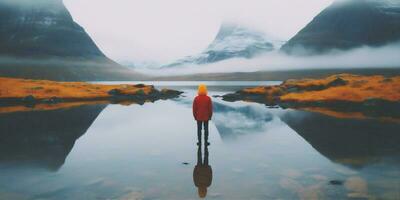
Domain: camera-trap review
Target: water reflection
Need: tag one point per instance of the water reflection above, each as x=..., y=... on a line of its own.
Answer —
x=352, y=142
x=43, y=138
x=232, y=122
x=202, y=173
x=136, y=152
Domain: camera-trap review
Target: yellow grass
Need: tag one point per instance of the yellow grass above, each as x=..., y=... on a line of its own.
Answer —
x=42, y=89
x=347, y=115
x=46, y=107
x=358, y=89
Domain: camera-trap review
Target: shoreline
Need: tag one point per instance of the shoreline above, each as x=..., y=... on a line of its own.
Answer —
x=14, y=92
x=370, y=95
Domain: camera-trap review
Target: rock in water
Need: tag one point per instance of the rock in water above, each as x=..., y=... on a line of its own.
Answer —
x=336, y=182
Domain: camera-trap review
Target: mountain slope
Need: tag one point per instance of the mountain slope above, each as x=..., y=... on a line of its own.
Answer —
x=232, y=41
x=39, y=39
x=348, y=24
x=44, y=139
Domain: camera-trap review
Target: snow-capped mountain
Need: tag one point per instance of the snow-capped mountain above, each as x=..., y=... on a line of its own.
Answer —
x=232, y=41
x=347, y=24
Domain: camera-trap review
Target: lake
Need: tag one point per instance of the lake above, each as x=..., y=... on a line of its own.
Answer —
x=149, y=152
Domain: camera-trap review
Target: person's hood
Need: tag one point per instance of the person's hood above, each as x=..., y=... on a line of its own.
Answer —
x=202, y=89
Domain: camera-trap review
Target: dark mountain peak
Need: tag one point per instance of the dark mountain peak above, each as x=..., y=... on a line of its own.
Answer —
x=42, y=28
x=347, y=24
x=39, y=39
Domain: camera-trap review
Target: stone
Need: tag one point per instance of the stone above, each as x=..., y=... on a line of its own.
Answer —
x=171, y=93
x=336, y=182
x=337, y=82
x=115, y=92
x=29, y=98
x=140, y=85
x=293, y=90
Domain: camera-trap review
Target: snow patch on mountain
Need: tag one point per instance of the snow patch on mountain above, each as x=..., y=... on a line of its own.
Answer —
x=233, y=41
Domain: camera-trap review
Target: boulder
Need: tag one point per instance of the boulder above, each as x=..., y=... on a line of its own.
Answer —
x=29, y=99
x=115, y=92
x=337, y=82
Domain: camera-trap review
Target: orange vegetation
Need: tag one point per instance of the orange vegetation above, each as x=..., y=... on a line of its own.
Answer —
x=46, y=107
x=353, y=88
x=332, y=96
x=348, y=115
x=357, y=89
x=42, y=89
x=268, y=90
x=336, y=114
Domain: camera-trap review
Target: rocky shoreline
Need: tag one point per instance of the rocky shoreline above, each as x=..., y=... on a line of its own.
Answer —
x=29, y=93
x=370, y=95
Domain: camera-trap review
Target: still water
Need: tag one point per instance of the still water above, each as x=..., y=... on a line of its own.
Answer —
x=150, y=152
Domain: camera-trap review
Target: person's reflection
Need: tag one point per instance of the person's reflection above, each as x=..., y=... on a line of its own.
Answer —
x=202, y=173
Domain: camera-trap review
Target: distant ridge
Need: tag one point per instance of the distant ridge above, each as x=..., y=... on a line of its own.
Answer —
x=348, y=24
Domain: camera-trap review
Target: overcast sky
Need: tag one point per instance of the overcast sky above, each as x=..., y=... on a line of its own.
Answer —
x=165, y=30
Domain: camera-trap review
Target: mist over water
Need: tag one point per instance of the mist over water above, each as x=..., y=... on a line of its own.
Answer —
x=363, y=57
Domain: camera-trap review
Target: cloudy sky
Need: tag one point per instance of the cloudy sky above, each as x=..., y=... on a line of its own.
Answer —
x=162, y=31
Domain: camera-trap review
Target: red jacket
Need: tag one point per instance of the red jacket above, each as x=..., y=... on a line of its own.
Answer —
x=202, y=108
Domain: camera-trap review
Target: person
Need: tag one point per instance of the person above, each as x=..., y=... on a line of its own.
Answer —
x=202, y=173
x=202, y=112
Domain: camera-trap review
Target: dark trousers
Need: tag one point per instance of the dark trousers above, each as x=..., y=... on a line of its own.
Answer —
x=200, y=126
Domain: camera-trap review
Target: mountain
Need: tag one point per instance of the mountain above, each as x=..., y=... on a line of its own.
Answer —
x=252, y=121
x=351, y=142
x=43, y=139
x=39, y=39
x=232, y=41
x=347, y=24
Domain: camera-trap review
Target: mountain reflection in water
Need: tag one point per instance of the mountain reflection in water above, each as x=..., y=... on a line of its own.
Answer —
x=137, y=152
x=43, y=138
x=352, y=142
x=231, y=122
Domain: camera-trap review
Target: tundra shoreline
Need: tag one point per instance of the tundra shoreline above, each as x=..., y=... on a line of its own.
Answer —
x=370, y=95
x=31, y=92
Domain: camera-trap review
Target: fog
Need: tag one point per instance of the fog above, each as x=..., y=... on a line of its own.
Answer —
x=364, y=57
x=163, y=31
x=160, y=32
